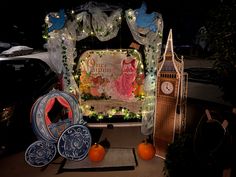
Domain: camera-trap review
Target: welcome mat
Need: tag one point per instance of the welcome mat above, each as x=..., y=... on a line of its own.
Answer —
x=115, y=159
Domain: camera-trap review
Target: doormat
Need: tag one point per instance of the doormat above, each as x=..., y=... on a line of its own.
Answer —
x=116, y=159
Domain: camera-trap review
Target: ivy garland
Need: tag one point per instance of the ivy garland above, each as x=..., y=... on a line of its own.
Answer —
x=127, y=115
x=65, y=64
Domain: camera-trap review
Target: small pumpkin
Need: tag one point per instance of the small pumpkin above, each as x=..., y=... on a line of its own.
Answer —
x=96, y=152
x=146, y=150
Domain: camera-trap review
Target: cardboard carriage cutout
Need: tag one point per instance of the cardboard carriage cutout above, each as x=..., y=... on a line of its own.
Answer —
x=59, y=126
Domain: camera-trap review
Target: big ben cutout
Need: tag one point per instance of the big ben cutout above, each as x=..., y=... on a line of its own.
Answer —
x=171, y=94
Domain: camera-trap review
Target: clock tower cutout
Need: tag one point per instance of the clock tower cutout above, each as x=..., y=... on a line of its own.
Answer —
x=171, y=97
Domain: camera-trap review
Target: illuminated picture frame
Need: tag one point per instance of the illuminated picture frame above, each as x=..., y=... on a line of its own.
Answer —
x=111, y=83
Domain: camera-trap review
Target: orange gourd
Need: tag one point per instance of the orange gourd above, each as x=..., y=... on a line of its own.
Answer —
x=96, y=153
x=146, y=150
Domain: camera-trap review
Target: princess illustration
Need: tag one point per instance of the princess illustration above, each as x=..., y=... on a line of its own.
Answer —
x=124, y=83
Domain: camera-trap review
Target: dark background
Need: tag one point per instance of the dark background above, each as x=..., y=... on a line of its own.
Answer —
x=22, y=20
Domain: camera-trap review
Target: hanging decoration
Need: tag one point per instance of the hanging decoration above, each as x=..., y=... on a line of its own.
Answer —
x=144, y=20
x=105, y=27
x=147, y=30
x=57, y=21
x=83, y=25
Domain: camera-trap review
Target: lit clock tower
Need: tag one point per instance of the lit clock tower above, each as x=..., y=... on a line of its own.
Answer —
x=170, y=111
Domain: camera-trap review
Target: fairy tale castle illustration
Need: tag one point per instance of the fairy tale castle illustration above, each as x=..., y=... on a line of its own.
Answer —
x=170, y=111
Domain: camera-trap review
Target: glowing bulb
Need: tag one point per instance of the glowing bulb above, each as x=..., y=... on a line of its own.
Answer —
x=47, y=19
x=100, y=116
x=127, y=115
x=45, y=36
x=122, y=110
x=113, y=111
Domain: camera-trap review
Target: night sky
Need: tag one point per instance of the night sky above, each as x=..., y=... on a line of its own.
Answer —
x=185, y=17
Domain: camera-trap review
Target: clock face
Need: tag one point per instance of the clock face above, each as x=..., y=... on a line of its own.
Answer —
x=167, y=87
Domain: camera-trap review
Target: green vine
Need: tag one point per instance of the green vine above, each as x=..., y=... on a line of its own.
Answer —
x=124, y=112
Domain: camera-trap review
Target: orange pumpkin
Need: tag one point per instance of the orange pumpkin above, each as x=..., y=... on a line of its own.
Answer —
x=96, y=153
x=146, y=151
